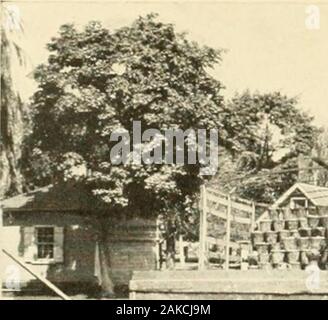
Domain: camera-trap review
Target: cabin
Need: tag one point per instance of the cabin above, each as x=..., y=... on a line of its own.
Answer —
x=292, y=234
x=52, y=230
x=302, y=195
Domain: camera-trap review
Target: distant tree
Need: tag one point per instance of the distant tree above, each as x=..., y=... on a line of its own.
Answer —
x=11, y=108
x=319, y=159
x=96, y=81
x=267, y=133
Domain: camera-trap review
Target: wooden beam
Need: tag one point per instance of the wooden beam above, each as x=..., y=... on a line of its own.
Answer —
x=223, y=195
x=234, y=204
x=223, y=215
x=42, y=279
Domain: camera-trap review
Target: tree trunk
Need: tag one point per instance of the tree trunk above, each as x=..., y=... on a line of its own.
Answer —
x=320, y=162
x=170, y=247
x=11, y=127
x=106, y=282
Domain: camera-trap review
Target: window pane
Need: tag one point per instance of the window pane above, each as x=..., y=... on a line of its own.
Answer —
x=45, y=234
x=45, y=251
x=45, y=242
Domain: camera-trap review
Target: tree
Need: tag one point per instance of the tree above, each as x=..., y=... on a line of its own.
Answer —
x=97, y=81
x=11, y=109
x=267, y=133
x=319, y=159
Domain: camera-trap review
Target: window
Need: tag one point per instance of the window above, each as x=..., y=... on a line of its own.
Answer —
x=45, y=241
x=296, y=203
x=43, y=244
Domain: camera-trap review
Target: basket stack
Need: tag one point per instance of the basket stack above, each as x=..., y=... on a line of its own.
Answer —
x=289, y=238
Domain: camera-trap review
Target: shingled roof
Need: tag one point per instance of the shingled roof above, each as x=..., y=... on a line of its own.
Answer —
x=51, y=197
x=318, y=195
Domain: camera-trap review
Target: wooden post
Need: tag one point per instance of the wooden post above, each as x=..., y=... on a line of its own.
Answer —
x=228, y=234
x=42, y=279
x=158, y=247
x=181, y=252
x=202, y=230
x=157, y=255
x=253, y=217
x=1, y=253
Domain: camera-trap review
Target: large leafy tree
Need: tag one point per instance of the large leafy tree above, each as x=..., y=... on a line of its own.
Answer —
x=97, y=81
x=268, y=133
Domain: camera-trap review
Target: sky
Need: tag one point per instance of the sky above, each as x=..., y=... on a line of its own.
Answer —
x=269, y=44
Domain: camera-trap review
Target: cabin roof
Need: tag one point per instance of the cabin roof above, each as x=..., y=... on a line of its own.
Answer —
x=318, y=195
x=51, y=197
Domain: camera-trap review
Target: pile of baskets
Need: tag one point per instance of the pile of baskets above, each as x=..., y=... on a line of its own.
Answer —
x=291, y=237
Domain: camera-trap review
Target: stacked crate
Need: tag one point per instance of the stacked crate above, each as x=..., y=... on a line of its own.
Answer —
x=289, y=238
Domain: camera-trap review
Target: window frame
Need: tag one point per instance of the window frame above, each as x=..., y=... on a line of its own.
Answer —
x=37, y=243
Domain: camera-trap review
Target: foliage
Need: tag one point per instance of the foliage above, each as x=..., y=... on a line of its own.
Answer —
x=97, y=81
x=267, y=133
x=320, y=158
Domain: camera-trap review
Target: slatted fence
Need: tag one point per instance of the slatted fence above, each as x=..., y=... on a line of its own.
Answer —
x=236, y=218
